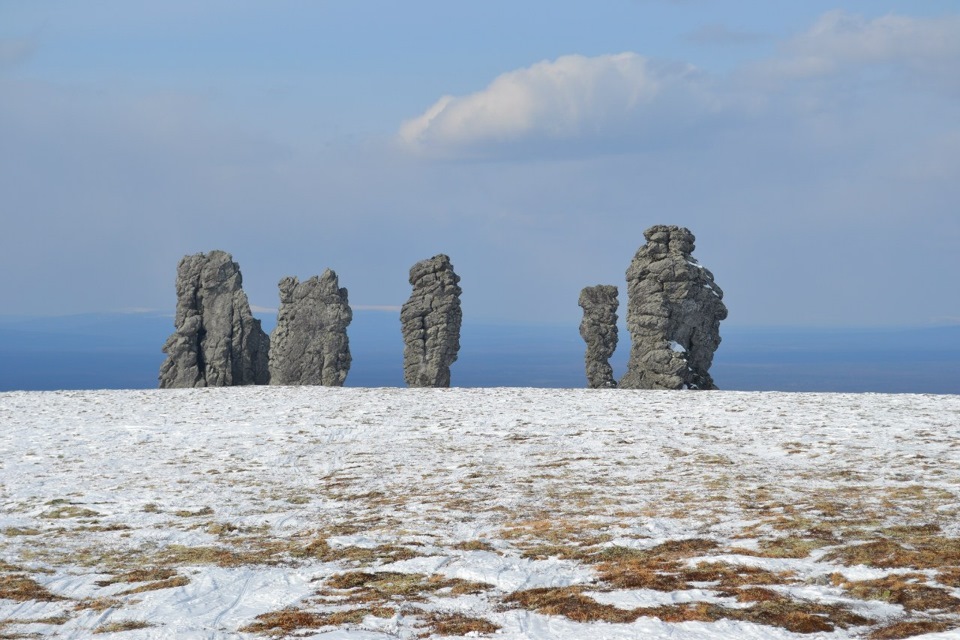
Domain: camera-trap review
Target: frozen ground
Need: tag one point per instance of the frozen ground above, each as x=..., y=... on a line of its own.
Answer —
x=366, y=514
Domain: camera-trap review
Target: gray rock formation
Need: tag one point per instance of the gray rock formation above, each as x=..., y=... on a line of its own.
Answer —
x=599, y=330
x=216, y=341
x=674, y=311
x=309, y=346
x=431, y=323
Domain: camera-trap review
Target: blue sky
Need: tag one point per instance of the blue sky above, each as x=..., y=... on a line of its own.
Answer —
x=813, y=148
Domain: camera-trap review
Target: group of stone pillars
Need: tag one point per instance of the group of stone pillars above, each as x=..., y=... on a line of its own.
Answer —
x=217, y=342
x=674, y=311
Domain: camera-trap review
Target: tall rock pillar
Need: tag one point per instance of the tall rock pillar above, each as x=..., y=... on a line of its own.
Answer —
x=216, y=341
x=309, y=345
x=430, y=322
x=599, y=330
x=674, y=311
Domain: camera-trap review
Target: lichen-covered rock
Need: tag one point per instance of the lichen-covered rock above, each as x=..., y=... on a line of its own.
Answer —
x=309, y=345
x=216, y=341
x=599, y=330
x=430, y=322
x=674, y=311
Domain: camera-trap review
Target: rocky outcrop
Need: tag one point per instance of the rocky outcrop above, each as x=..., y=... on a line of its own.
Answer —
x=309, y=345
x=674, y=311
x=431, y=323
x=599, y=330
x=216, y=342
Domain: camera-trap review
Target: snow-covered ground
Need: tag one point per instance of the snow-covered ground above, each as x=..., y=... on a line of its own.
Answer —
x=364, y=514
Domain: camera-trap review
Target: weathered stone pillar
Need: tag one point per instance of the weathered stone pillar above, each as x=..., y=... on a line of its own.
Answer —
x=309, y=345
x=674, y=311
x=599, y=330
x=216, y=342
x=430, y=322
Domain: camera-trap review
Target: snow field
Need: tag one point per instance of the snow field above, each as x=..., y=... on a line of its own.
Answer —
x=511, y=513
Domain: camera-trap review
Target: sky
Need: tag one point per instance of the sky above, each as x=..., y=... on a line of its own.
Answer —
x=813, y=148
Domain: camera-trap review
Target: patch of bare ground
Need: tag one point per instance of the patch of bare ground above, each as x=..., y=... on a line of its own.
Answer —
x=69, y=511
x=570, y=603
x=791, y=546
x=474, y=545
x=665, y=568
x=907, y=590
x=456, y=624
x=909, y=629
x=768, y=608
x=122, y=625
x=21, y=531
x=319, y=549
x=269, y=553
x=170, y=583
x=98, y=604
x=549, y=530
x=147, y=574
x=21, y=588
x=915, y=552
x=385, y=587
x=156, y=578
x=287, y=621
x=949, y=576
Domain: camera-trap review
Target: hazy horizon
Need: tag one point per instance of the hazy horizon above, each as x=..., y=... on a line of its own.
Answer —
x=124, y=351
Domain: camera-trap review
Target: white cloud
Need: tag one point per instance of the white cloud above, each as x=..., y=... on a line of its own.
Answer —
x=840, y=40
x=581, y=106
x=568, y=101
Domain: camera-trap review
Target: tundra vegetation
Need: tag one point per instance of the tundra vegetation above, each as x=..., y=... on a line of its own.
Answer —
x=281, y=511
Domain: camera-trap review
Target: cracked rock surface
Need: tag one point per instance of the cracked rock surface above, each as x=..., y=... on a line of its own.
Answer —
x=309, y=345
x=674, y=311
x=430, y=321
x=599, y=330
x=216, y=341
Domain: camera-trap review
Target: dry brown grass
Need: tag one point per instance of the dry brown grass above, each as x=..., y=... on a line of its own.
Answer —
x=98, y=604
x=728, y=576
x=155, y=577
x=949, y=576
x=664, y=568
x=456, y=624
x=385, y=587
x=791, y=546
x=69, y=511
x=908, y=629
x=170, y=583
x=556, y=531
x=570, y=603
x=186, y=513
x=928, y=552
x=21, y=588
x=793, y=616
x=140, y=575
x=286, y=621
x=769, y=608
x=474, y=545
x=21, y=531
x=122, y=625
x=907, y=590
x=176, y=554
x=319, y=549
